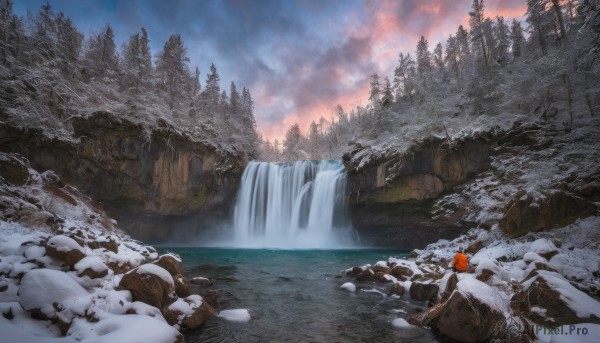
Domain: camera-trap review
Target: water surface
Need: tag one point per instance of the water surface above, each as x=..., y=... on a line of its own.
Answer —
x=295, y=296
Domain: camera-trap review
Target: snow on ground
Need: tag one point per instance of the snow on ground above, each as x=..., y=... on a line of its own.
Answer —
x=501, y=267
x=44, y=213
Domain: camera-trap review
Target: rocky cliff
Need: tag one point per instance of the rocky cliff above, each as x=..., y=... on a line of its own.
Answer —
x=148, y=178
x=529, y=177
x=391, y=197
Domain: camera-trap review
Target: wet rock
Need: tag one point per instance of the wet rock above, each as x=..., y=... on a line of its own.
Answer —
x=381, y=269
x=150, y=284
x=540, y=301
x=201, y=281
x=366, y=275
x=190, y=312
x=182, y=286
x=401, y=272
x=463, y=317
x=381, y=277
x=397, y=289
x=423, y=291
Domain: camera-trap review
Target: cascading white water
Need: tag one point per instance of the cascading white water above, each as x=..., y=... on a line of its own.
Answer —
x=297, y=204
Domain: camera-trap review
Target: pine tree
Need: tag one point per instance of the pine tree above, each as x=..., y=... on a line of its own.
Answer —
x=11, y=33
x=145, y=69
x=540, y=22
x=101, y=55
x=212, y=90
x=489, y=33
x=559, y=19
x=131, y=62
x=503, y=40
x=44, y=35
x=438, y=59
x=452, y=56
x=171, y=66
x=404, y=80
x=517, y=38
x=388, y=96
x=234, y=101
x=292, y=143
x=224, y=102
x=197, y=86
x=476, y=19
x=68, y=43
x=375, y=91
x=423, y=57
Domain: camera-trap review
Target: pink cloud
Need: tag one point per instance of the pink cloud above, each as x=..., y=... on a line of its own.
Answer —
x=370, y=43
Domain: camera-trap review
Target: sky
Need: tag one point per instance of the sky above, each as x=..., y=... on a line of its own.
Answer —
x=299, y=58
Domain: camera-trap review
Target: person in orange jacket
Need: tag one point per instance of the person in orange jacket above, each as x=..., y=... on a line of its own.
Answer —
x=461, y=262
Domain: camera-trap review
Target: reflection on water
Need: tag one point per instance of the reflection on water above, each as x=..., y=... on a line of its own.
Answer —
x=295, y=296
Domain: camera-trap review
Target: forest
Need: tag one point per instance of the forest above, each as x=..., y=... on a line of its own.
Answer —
x=494, y=67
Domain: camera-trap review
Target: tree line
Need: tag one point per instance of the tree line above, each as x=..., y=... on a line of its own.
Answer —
x=488, y=68
x=50, y=72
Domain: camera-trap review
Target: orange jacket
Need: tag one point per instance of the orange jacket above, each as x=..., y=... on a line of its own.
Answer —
x=460, y=262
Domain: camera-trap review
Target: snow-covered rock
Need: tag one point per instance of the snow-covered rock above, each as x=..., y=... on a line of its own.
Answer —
x=149, y=283
x=41, y=289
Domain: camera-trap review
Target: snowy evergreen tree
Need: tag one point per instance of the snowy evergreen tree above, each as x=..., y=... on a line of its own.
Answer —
x=69, y=42
x=234, y=101
x=388, y=96
x=452, y=56
x=212, y=90
x=404, y=77
x=503, y=40
x=517, y=38
x=438, y=57
x=476, y=19
x=101, y=55
x=291, y=144
x=171, y=67
x=375, y=91
x=423, y=57
x=11, y=33
x=540, y=22
x=197, y=86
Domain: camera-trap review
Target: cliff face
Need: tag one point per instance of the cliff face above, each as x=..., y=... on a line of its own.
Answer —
x=147, y=178
x=527, y=178
x=391, y=197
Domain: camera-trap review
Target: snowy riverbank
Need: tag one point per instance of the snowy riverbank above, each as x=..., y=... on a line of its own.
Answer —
x=543, y=285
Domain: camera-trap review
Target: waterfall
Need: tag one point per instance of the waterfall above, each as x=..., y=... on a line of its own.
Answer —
x=298, y=204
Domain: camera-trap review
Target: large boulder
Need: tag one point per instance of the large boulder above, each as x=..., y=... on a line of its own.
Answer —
x=548, y=299
x=45, y=292
x=189, y=312
x=423, y=290
x=171, y=263
x=525, y=213
x=401, y=272
x=472, y=313
x=65, y=249
x=150, y=284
